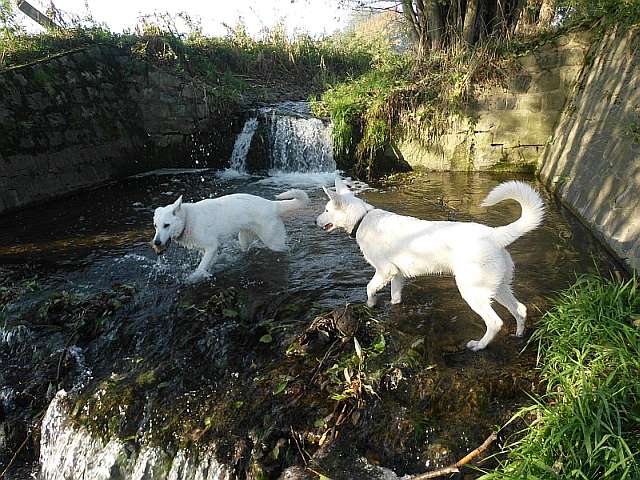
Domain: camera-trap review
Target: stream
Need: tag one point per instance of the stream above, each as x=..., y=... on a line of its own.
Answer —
x=243, y=375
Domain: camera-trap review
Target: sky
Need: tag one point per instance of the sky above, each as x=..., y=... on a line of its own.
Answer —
x=316, y=17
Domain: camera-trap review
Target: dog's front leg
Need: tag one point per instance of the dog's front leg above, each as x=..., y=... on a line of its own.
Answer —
x=375, y=284
x=397, y=283
x=203, y=267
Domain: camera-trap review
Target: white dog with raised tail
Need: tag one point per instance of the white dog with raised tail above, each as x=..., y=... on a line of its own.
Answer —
x=401, y=247
x=204, y=224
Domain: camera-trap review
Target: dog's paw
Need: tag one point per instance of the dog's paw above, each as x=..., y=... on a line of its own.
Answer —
x=371, y=302
x=520, y=333
x=396, y=301
x=196, y=277
x=474, y=345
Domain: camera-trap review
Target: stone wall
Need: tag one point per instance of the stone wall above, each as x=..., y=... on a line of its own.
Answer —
x=593, y=162
x=507, y=128
x=92, y=115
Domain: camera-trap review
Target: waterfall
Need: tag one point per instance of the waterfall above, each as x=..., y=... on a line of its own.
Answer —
x=293, y=141
x=242, y=145
x=300, y=144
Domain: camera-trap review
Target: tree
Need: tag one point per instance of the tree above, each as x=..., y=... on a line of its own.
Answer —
x=9, y=27
x=436, y=24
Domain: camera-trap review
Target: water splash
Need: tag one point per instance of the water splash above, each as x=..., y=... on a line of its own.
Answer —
x=242, y=145
x=69, y=452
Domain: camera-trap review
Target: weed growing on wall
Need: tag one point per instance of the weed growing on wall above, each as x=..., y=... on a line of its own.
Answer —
x=402, y=97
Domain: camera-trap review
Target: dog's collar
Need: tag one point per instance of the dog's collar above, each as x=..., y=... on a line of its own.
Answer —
x=354, y=230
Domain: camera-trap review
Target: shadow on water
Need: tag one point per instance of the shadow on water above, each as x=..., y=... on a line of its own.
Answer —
x=239, y=360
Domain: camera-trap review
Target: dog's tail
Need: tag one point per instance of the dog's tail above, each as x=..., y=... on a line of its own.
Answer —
x=532, y=210
x=291, y=200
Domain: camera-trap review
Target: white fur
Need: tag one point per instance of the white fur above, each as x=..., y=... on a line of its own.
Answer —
x=401, y=247
x=204, y=224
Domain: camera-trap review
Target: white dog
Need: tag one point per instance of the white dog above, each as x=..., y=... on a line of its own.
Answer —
x=401, y=247
x=202, y=225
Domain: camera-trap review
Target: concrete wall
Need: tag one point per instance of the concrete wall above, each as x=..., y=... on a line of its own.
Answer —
x=507, y=128
x=593, y=162
x=93, y=115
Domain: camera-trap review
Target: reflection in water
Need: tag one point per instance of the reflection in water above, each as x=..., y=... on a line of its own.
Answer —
x=96, y=239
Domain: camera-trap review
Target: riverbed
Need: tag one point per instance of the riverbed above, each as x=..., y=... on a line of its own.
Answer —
x=245, y=360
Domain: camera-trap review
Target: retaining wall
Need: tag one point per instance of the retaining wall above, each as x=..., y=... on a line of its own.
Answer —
x=507, y=128
x=92, y=115
x=593, y=161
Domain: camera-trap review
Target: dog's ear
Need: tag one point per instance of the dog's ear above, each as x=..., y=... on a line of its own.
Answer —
x=177, y=204
x=336, y=198
x=341, y=187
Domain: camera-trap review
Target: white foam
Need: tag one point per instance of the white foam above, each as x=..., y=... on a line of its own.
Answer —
x=230, y=174
x=299, y=179
x=171, y=171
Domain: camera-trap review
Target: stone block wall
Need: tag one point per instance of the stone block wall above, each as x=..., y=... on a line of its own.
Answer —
x=63, y=126
x=88, y=116
x=593, y=161
x=507, y=128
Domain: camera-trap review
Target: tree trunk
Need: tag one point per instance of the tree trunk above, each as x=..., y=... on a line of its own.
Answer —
x=547, y=12
x=516, y=14
x=436, y=25
x=501, y=17
x=469, y=28
x=415, y=16
x=410, y=17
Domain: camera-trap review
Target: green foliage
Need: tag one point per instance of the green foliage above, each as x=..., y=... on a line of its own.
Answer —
x=586, y=424
x=403, y=97
x=9, y=27
x=626, y=12
x=235, y=60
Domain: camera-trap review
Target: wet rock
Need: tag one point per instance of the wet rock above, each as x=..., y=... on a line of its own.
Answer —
x=295, y=473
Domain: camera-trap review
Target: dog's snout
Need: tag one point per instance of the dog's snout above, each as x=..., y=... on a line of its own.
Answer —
x=157, y=243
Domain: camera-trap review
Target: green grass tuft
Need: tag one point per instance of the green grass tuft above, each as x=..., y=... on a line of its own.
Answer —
x=585, y=426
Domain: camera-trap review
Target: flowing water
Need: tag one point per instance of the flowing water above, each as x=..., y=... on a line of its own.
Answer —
x=242, y=145
x=158, y=363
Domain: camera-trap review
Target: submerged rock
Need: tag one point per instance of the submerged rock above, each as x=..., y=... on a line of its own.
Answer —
x=69, y=451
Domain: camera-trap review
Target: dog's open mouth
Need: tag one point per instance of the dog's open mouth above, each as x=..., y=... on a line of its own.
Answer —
x=327, y=227
x=159, y=249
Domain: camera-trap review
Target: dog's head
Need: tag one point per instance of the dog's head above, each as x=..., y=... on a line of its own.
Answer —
x=169, y=223
x=343, y=210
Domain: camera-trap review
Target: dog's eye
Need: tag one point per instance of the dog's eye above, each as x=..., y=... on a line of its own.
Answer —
x=166, y=225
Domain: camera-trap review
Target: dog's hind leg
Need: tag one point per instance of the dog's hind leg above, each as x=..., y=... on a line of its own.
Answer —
x=273, y=235
x=505, y=297
x=246, y=238
x=376, y=284
x=397, y=283
x=480, y=302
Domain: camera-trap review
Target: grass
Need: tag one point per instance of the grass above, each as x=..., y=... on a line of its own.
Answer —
x=585, y=425
x=273, y=58
x=402, y=97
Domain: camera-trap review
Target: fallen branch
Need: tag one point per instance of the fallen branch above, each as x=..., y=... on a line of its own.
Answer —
x=455, y=468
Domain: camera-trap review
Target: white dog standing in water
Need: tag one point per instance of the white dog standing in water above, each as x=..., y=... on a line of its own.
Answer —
x=202, y=225
x=401, y=247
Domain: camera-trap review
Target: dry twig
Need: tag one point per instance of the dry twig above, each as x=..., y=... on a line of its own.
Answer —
x=455, y=468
